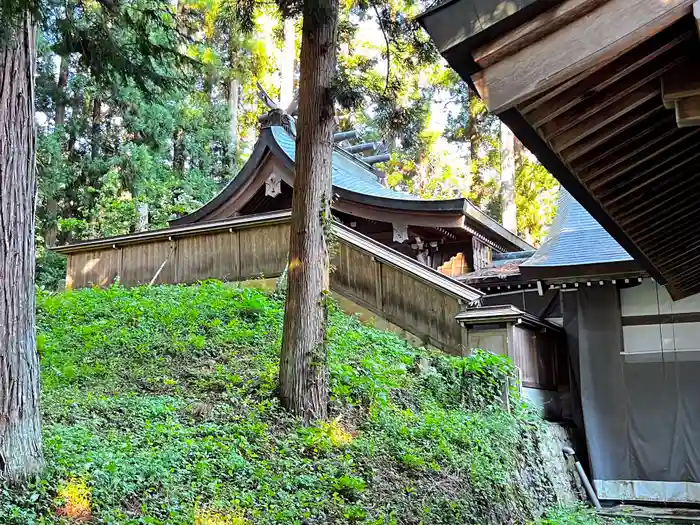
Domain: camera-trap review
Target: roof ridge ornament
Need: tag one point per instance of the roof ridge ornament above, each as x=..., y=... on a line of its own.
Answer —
x=278, y=116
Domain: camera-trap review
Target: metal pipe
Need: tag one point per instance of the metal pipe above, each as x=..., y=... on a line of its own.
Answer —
x=374, y=159
x=345, y=135
x=568, y=451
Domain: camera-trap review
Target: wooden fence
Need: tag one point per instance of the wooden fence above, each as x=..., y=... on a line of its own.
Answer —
x=396, y=288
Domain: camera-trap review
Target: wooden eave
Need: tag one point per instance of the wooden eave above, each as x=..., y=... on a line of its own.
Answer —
x=503, y=314
x=606, y=93
x=387, y=255
x=267, y=157
x=574, y=273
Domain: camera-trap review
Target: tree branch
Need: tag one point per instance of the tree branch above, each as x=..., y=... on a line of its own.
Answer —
x=386, y=39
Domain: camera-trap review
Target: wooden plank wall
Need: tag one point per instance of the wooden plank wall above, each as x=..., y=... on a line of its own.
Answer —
x=229, y=256
x=396, y=296
x=535, y=355
x=399, y=298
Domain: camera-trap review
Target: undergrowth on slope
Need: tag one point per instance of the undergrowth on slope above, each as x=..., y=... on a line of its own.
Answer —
x=585, y=515
x=159, y=407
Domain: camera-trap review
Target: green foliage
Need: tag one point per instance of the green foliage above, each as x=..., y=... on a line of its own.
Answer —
x=582, y=515
x=160, y=406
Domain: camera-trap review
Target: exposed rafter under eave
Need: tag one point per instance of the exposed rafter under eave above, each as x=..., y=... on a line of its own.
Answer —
x=605, y=94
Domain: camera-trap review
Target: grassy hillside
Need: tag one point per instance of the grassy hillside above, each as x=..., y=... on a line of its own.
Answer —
x=159, y=407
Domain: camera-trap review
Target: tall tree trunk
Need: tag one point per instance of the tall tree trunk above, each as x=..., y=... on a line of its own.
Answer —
x=20, y=422
x=233, y=122
x=60, y=117
x=96, y=127
x=142, y=223
x=179, y=150
x=50, y=229
x=303, y=360
x=509, y=210
x=287, y=64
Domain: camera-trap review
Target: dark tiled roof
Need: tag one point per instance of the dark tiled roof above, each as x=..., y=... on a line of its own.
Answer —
x=349, y=172
x=576, y=239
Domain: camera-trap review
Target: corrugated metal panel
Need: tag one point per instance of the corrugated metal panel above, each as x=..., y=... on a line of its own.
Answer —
x=213, y=256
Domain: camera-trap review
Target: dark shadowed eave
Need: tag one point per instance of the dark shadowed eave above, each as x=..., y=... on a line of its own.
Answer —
x=602, y=92
x=503, y=314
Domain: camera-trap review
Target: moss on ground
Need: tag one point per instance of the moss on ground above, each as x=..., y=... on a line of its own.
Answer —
x=159, y=407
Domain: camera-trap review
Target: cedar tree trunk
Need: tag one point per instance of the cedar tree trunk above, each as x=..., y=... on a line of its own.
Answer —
x=20, y=423
x=303, y=366
x=51, y=230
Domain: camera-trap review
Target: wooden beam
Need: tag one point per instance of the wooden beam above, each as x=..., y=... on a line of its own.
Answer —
x=617, y=69
x=625, y=141
x=681, y=81
x=636, y=154
x=589, y=42
x=667, y=194
x=606, y=116
x=614, y=92
x=665, y=263
x=630, y=120
x=688, y=111
x=655, y=222
x=537, y=28
x=669, y=164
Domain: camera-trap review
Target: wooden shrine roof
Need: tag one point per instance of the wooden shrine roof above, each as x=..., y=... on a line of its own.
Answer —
x=357, y=188
x=606, y=93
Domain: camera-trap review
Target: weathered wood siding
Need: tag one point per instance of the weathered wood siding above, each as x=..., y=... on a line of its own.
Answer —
x=204, y=256
x=141, y=263
x=355, y=273
x=263, y=250
x=393, y=294
x=99, y=268
x=535, y=355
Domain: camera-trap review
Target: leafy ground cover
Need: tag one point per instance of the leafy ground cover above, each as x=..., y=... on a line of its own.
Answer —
x=583, y=515
x=159, y=407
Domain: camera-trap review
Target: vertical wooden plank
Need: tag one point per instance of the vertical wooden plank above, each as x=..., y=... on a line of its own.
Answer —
x=142, y=261
x=236, y=253
x=378, y=283
x=120, y=264
x=70, y=271
x=211, y=256
x=264, y=250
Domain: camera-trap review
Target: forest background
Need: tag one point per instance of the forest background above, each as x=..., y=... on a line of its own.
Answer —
x=130, y=136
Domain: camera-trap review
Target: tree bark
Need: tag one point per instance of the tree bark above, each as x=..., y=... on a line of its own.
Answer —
x=20, y=423
x=60, y=117
x=51, y=230
x=179, y=151
x=303, y=359
x=509, y=210
x=96, y=127
x=287, y=64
